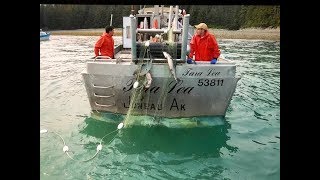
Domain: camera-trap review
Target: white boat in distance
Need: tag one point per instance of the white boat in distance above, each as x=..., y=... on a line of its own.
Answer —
x=44, y=36
x=151, y=77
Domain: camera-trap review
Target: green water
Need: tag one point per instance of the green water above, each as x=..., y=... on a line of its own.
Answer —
x=243, y=145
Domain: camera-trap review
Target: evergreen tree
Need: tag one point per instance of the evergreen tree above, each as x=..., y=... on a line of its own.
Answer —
x=64, y=16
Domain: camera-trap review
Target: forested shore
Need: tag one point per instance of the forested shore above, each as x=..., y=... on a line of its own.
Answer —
x=228, y=17
x=248, y=33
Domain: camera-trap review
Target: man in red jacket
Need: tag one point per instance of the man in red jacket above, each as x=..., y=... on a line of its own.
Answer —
x=203, y=46
x=105, y=45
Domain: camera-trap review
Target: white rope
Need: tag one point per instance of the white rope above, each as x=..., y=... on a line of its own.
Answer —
x=99, y=147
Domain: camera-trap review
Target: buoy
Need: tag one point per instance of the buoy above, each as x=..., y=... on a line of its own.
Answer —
x=65, y=148
x=120, y=125
x=149, y=80
x=147, y=43
x=99, y=147
x=155, y=24
x=145, y=23
x=136, y=84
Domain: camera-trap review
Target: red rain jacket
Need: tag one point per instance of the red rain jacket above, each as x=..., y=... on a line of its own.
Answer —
x=105, y=45
x=205, y=48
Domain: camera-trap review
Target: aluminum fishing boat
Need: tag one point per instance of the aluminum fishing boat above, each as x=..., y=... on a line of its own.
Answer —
x=149, y=74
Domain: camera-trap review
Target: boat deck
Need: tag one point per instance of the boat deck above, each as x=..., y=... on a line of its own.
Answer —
x=124, y=54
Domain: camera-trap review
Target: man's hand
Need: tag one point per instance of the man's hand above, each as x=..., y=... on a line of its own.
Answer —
x=213, y=61
x=190, y=61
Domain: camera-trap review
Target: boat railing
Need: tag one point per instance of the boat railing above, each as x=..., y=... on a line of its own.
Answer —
x=156, y=60
x=159, y=61
x=118, y=48
x=176, y=31
x=180, y=26
x=97, y=58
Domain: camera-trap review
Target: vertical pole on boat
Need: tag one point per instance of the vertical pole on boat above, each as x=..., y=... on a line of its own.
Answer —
x=133, y=9
x=133, y=37
x=175, y=22
x=185, y=36
x=156, y=10
x=170, y=14
x=111, y=20
x=170, y=30
x=162, y=10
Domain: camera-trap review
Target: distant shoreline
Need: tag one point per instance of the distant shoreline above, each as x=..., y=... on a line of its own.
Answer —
x=250, y=33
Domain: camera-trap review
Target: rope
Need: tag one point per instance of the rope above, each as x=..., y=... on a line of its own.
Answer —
x=99, y=147
x=141, y=79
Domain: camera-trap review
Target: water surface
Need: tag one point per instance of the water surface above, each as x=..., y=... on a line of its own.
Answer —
x=246, y=145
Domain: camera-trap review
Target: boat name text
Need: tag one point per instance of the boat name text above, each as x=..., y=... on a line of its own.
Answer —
x=191, y=73
x=173, y=86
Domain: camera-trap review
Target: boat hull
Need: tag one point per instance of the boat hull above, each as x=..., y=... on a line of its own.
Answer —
x=44, y=37
x=202, y=90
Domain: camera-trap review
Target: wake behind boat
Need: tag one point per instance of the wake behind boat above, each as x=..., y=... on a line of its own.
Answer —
x=151, y=77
